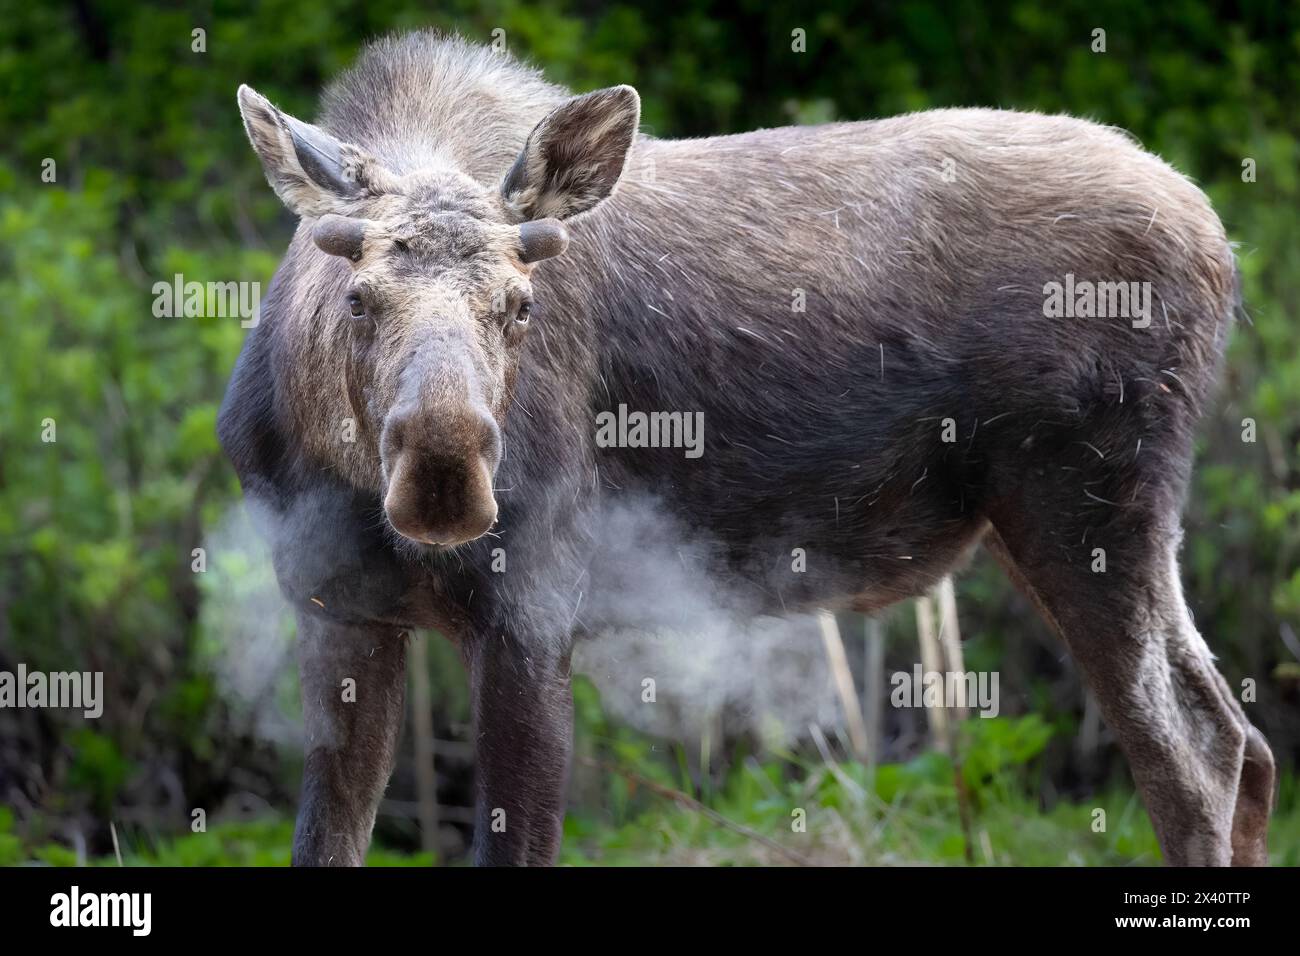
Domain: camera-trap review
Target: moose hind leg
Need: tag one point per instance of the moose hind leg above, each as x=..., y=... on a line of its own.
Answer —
x=1254, y=803
x=1152, y=674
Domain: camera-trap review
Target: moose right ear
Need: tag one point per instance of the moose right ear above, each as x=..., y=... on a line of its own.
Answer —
x=311, y=171
x=574, y=157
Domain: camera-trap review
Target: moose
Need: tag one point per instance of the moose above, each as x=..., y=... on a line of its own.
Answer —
x=485, y=263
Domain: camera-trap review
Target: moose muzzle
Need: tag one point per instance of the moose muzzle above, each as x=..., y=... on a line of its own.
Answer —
x=440, y=469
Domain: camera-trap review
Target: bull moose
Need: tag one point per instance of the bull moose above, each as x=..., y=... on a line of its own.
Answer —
x=857, y=315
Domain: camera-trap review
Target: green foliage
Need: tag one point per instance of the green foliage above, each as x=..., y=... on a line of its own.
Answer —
x=893, y=814
x=992, y=750
x=265, y=842
x=898, y=814
x=98, y=767
x=262, y=842
x=10, y=846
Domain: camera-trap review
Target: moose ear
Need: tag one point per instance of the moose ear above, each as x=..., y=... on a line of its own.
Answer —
x=311, y=171
x=574, y=156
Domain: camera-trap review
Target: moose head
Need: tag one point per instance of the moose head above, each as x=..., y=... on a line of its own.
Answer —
x=427, y=334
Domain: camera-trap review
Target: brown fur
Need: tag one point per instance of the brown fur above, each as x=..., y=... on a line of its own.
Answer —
x=922, y=245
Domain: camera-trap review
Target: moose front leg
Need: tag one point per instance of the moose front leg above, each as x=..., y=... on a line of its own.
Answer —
x=353, y=686
x=523, y=734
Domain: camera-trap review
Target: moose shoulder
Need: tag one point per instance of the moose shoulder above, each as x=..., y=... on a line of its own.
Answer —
x=853, y=339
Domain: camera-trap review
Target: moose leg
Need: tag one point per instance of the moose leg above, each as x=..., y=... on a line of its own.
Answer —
x=1254, y=803
x=523, y=733
x=1204, y=773
x=353, y=685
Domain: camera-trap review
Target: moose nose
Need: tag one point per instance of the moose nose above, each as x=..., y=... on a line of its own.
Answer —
x=440, y=477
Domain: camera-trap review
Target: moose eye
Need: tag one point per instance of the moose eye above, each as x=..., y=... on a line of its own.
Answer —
x=515, y=318
x=355, y=306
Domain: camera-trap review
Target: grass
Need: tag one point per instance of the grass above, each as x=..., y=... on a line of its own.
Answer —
x=838, y=815
x=262, y=842
x=633, y=806
x=779, y=812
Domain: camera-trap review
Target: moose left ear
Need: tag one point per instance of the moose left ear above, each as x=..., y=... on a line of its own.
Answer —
x=574, y=157
x=310, y=170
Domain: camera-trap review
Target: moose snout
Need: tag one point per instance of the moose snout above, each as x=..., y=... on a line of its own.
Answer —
x=440, y=475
